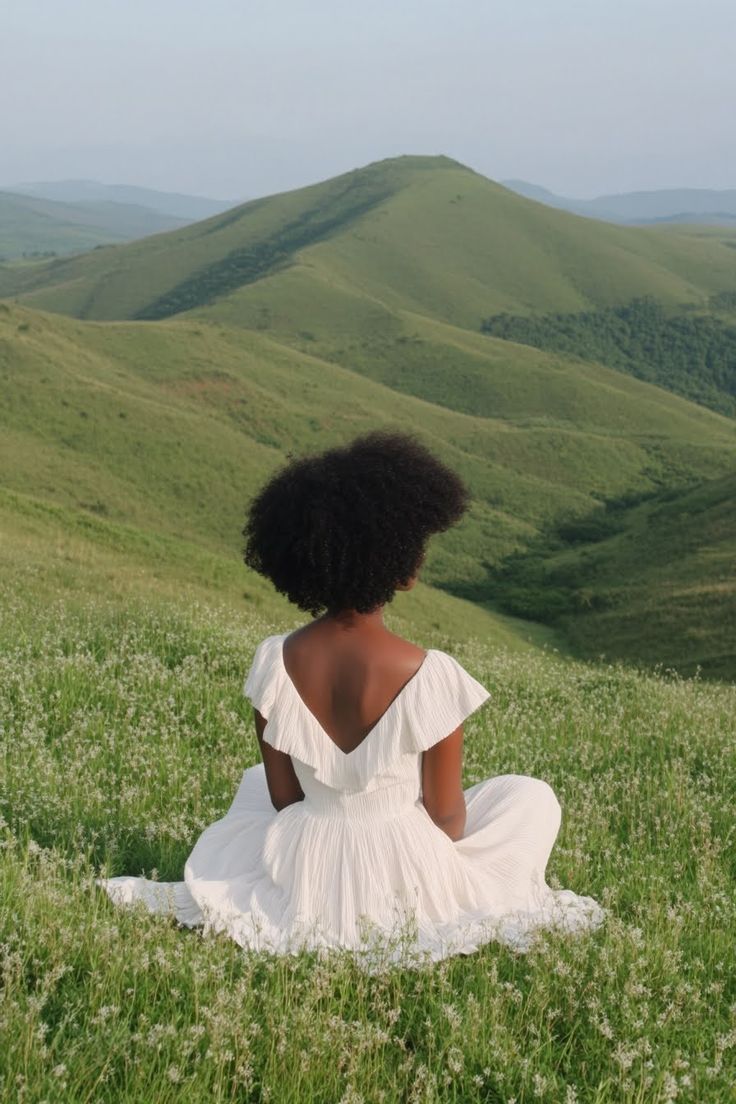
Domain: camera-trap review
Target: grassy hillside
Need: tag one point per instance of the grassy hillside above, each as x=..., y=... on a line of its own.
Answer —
x=665, y=584
x=356, y=268
x=33, y=225
x=365, y=270
x=631, y=581
x=159, y=415
x=160, y=432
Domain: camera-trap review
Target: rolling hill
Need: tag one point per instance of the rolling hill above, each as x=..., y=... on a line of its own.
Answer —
x=196, y=359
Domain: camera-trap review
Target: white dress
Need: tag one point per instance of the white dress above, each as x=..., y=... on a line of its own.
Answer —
x=359, y=863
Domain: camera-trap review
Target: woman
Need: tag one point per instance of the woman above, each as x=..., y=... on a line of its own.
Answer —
x=355, y=832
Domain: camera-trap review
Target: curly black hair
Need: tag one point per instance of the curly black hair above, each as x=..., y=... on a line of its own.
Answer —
x=342, y=529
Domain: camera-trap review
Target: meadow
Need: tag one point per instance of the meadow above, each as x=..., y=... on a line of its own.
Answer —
x=125, y=732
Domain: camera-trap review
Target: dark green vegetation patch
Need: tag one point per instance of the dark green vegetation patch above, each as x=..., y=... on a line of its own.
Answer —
x=358, y=194
x=693, y=355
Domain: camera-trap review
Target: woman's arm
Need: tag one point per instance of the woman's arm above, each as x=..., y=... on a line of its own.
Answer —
x=442, y=785
x=283, y=784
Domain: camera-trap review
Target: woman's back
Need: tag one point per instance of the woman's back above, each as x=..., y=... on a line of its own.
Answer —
x=437, y=697
x=347, y=679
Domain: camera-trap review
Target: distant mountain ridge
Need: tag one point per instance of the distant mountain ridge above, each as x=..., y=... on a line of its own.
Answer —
x=31, y=227
x=685, y=205
x=187, y=208
x=74, y=216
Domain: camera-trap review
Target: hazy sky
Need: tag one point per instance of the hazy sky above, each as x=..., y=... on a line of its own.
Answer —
x=236, y=99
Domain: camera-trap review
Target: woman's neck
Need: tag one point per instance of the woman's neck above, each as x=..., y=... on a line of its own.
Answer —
x=352, y=619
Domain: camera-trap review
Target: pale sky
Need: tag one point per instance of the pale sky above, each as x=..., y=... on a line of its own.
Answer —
x=235, y=99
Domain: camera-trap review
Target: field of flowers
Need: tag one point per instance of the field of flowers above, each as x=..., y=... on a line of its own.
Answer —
x=124, y=732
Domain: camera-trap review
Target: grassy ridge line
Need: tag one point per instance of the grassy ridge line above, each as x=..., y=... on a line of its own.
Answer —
x=113, y=285
x=446, y=242
x=454, y=243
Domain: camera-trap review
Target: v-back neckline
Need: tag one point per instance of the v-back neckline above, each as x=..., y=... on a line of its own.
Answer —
x=375, y=726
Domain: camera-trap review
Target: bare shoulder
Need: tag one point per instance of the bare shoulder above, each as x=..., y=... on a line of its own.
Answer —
x=403, y=653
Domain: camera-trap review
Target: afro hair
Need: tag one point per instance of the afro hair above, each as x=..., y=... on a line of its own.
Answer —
x=341, y=530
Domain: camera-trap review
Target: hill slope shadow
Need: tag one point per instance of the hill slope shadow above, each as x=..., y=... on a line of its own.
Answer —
x=357, y=194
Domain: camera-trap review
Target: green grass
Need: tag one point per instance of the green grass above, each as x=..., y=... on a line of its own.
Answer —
x=663, y=585
x=167, y=429
x=125, y=733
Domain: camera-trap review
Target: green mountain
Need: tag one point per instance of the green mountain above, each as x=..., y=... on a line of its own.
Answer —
x=197, y=359
x=424, y=235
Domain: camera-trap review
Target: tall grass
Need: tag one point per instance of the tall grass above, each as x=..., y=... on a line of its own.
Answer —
x=124, y=732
